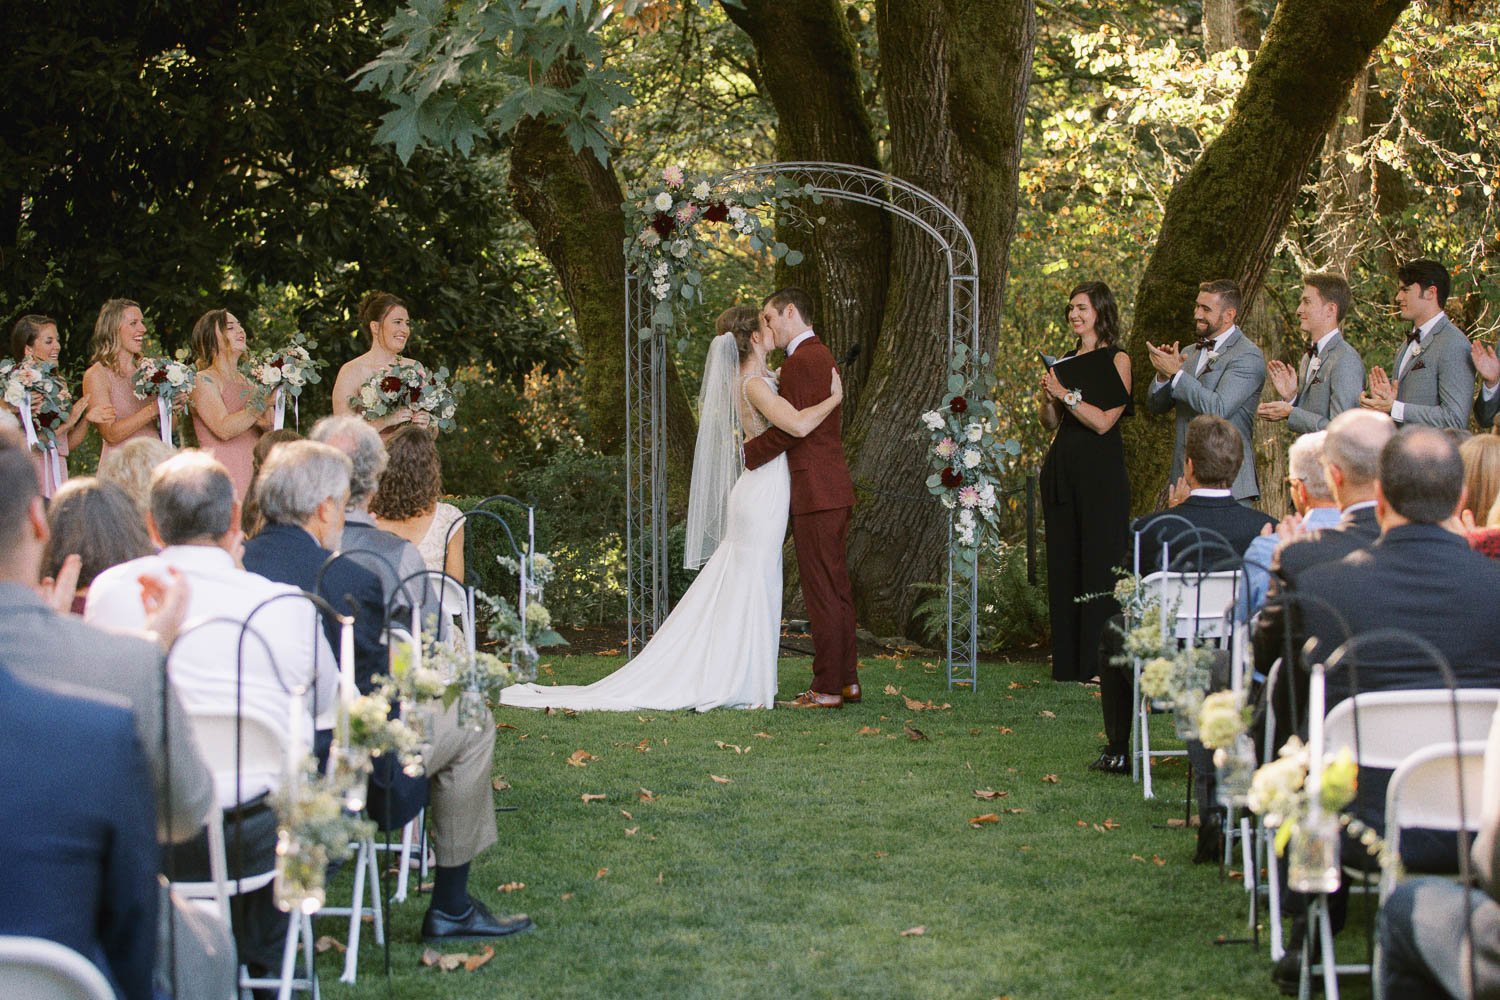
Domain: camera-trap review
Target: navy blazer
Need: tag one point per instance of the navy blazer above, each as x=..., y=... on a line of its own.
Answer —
x=1225, y=515
x=78, y=820
x=286, y=553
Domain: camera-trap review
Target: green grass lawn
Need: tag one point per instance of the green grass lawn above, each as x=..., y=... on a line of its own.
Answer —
x=834, y=832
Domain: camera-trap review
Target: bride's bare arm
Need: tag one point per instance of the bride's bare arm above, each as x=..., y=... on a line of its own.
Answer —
x=798, y=423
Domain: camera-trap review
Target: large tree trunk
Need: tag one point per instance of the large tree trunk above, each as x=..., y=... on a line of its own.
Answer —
x=955, y=96
x=810, y=73
x=1225, y=217
x=574, y=205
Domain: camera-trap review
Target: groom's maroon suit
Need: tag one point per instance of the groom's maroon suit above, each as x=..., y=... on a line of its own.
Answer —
x=822, y=494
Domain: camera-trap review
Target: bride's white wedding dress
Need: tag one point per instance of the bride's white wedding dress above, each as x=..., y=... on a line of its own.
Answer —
x=718, y=647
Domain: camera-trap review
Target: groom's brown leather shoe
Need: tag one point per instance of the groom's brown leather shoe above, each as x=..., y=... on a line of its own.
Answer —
x=813, y=699
x=851, y=694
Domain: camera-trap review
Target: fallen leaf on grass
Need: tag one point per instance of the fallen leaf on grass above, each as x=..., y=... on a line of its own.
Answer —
x=326, y=942
x=631, y=831
x=892, y=690
x=914, y=705
x=719, y=780
x=764, y=736
x=1048, y=715
x=566, y=896
x=914, y=932
x=626, y=814
x=1137, y=857
x=580, y=758
x=1174, y=822
x=1082, y=823
x=644, y=746
x=1004, y=730
x=1016, y=684
x=646, y=795
x=913, y=733
x=1050, y=779
x=867, y=731
x=1110, y=824
x=882, y=854
x=475, y=961
x=512, y=887
x=500, y=785
x=456, y=960
x=977, y=821
x=643, y=719
x=504, y=725
x=1156, y=860
x=989, y=793
x=729, y=746
x=1015, y=810
x=593, y=796
x=601, y=873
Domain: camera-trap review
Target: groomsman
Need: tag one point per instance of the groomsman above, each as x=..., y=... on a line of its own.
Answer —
x=1434, y=373
x=1487, y=404
x=1329, y=376
x=1220, y=375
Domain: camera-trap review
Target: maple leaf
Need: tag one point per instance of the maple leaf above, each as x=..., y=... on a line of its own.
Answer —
x=914, y=932
x=977, y=821
x=631, y=831
x=500, y=785
x=593, y=796
x=719, y=780
x=867, y=731
x=580, y=758
x=1050, y=779
x=326, y=942
x=892, y=690
x=511, y=887
x=989, y=793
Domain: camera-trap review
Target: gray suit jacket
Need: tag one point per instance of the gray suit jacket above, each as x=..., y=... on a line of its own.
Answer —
x=361, y=534
x=42, y=646
x=1334, y=388
x=1438, y=387
x=1485, y=410
x=1230, y=388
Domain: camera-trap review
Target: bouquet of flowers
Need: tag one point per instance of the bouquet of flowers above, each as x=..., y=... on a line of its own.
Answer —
x=28, y=381
x=967, y=456
x=408, y=385
x=285, y=372
x=165, y=379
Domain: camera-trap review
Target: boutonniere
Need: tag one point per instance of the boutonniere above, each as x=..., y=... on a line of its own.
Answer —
x=1416, y=349
x=1212, y=357
x=1314, y=365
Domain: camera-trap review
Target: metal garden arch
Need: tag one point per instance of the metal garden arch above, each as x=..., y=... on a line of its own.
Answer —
x=645, y=394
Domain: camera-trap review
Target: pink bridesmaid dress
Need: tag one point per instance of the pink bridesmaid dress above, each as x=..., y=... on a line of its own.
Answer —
x=122, y=397
x=238, y=453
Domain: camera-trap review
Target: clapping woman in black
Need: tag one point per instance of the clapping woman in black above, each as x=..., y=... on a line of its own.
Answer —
x=1086, y=493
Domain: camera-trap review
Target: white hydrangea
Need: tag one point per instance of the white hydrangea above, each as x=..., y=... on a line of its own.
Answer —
x=934, y=420
x=974, y=432
x=367, y=396
x=680, y=248
x=972, y=458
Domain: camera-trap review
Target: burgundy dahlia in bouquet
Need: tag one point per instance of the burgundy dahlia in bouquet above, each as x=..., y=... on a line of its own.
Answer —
x=409, y=385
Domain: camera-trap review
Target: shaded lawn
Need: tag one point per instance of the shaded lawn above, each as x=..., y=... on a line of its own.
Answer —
x=797, y=876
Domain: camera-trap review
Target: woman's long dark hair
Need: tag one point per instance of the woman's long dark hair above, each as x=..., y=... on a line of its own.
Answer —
x=1107, y=318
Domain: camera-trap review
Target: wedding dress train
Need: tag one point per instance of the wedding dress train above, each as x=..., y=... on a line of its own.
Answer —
x=718, y=648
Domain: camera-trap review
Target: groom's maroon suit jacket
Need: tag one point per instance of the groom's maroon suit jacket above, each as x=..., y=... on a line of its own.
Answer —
x=820, y=477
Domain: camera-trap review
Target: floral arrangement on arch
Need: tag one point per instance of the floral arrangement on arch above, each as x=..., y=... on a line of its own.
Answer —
x=167, y=379
x=24, y=381
x=409, y=385
x=673, y=221
x=967, y=456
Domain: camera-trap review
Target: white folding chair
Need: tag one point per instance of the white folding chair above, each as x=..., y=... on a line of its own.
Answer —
x=38, y=969
x=455, y=599
x=366, y=878
x=1424, y=794
x=261, y=747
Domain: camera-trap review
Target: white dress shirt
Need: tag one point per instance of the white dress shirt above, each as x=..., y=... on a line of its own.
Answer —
x=804, y=335
x=1308, y=375
x=1424, y=334
x=203, y=663
x=1202, y=363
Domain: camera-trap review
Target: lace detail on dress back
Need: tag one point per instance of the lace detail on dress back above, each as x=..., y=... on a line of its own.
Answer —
x=750, y=418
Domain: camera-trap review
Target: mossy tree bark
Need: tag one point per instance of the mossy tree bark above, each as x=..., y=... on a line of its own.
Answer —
x=1225, y=217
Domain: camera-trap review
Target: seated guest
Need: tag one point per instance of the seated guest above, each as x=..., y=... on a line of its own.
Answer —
x=1313, y=505
x=195, y=518
x=1212, y=453
x=81, y=862
x=1425, y=947
x=1351, y=461
x=407, y=502
x=129, y=466
x=250, y=519
x=1423, y=579
x=1481, y=457
x=98, y=523
x=303, y=488
x=398, y=562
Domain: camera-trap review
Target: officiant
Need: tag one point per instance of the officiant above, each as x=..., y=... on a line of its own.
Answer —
x=1085, y=491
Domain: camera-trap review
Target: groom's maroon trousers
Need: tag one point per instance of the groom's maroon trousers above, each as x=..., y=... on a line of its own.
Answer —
x=822, y=494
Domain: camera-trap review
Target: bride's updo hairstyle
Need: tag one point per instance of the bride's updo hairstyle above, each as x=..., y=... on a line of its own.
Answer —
x=740, y=321
x=374, y=308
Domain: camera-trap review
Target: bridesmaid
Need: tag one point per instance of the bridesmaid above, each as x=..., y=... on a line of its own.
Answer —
x=385, y=319
x=119, y=339
x=35, y=339
x=1086, y=497
x=225, y=418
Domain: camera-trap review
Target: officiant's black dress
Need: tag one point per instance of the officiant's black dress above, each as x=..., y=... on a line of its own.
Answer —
x=1086, y=504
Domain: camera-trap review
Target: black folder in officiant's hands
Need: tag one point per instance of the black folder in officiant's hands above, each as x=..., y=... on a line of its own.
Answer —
x=1094, y=374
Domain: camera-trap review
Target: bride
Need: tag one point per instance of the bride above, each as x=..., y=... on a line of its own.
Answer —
x=718, y=647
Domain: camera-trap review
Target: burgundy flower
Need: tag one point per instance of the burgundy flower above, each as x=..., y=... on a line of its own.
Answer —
x=717, y=212
x=959, y=404
x=390, y=384
x=415, y=392
x=279, y=363
x=159, y=376
x=47, y=418
x=952, y=479
x=663, y=224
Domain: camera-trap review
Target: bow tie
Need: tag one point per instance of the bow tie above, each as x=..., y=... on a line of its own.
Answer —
x=1414, y=335
x=1205, y=344
x=1312, y=350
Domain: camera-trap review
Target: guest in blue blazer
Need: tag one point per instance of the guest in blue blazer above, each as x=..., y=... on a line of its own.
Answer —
x=78, y=819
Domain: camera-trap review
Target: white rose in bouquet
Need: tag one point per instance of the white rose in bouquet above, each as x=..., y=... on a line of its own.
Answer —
x=15, y=393
x=176, y=374
x=972, y=458
x=270, y=375
x=368, y=396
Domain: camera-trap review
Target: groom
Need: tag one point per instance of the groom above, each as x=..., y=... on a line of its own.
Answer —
x=822, y=495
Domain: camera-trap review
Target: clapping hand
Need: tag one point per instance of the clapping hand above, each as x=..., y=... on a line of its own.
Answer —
x=166, y=604
x=1486, y=362
x=1276, y=409
x=1178, y=492
x=1283, y=377
x=1052, y=387
x=58, y=592
x=1290, y=527
x=1166, y=360
x=1382, y=391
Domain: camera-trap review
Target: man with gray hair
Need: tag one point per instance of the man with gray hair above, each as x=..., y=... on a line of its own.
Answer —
x=195, y=518
x=396, y=561
x=1313, y=509
x=303, y=492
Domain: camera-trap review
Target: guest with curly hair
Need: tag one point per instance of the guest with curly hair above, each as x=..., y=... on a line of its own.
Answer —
x=407, y=502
